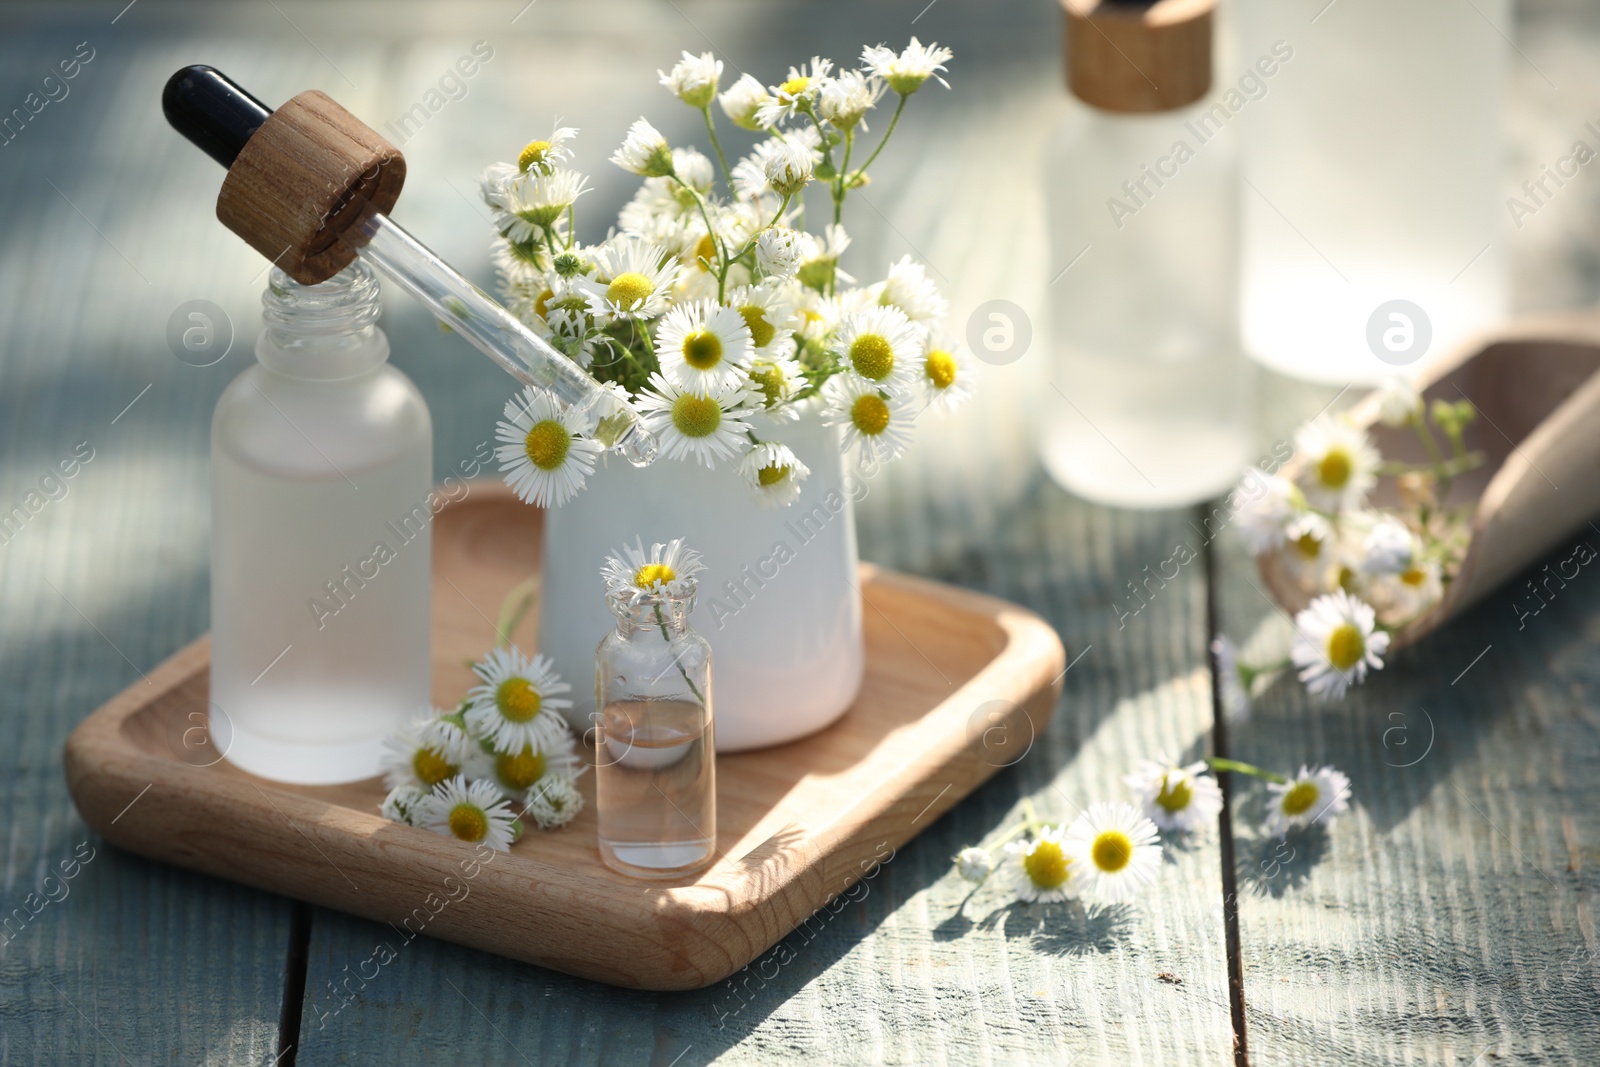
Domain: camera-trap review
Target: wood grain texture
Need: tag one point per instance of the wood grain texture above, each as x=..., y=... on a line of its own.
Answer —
x=798, y=824
x=1449, y=917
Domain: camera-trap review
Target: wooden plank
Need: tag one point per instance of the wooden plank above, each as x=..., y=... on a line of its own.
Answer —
x=1449, y=917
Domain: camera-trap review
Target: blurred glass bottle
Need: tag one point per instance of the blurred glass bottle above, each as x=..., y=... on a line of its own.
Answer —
x=321, y=527
x=1375, y=176
x=1149, y=403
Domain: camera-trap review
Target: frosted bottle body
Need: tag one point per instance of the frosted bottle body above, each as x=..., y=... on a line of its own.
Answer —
x=1376, y=160
x=321, y=541
x=1149, y=399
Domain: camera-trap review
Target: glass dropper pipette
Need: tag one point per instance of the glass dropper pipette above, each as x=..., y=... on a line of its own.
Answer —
x=219, y=117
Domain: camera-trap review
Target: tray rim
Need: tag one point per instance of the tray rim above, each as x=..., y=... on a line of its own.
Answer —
x=716, y=930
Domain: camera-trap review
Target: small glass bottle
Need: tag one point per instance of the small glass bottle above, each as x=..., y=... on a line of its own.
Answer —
x=655, y=750
x=321, y=524
x=1149, y=402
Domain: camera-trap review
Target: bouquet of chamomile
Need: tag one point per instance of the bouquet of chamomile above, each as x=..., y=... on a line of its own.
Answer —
x=717, y=307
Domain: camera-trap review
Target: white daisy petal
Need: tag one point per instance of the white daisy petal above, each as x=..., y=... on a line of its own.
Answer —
x=1340, y=464
x=517, y=702
x=644, y=151
x=426, y=751
x=1336, y=643
x=694, y=79
x=553, y=802
x=545, y=453
x=880, y=345
x=666, y=570
x=774, y=472
x=1176, y=798
x=1114, y=850
x=1043, y=870
x=906, y=71
x=1308, y=798
x=703, y=347
x=708, y=425
x=469, y=811
x=876, y=424
x=974, y=864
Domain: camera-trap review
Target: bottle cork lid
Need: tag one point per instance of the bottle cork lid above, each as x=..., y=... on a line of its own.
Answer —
x=1139, y=55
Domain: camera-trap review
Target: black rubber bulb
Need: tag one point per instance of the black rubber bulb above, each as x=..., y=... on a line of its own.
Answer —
x=211, y=110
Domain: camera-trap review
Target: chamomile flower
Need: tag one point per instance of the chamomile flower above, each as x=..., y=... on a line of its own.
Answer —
x=788, y=168
x=881, y=346
x=517, y=702
x=795, y=94
x=542, y=155
x=845, y=100
x=708, y=425
x=1266, y=504
x=1340, y=463
x=469, y=811
x=743, y=101
x=1309, y=551
x=946, y=374
x=908, y=287
x=531, y=203
x=514, y=773
x=974, y=865
x=426, y=752
x=703, y=347
x=773, y=381
x=644, y=151
x=546, y=453
x=1114, y=850
x=633, y=279
x=694, y=79
x=1390, y=548
x=1176, y=798
x=1232, y=683
x=1399, y=598
x=1309, y=797
x=1336, y=643
x=819, y=258
x=749, y=177
x=906, y=72
x=876, y=423
x=767, y=311
x=775, y=472
x=401, y=803
x=553, y=802
x=778, y=252
x=1398, y=402
x=666, y=570
x=1042, y=870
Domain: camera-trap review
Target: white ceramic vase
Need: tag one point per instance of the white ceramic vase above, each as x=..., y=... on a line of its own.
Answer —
x=779, y=599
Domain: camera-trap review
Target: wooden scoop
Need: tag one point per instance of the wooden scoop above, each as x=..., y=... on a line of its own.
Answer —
x=1536, y=385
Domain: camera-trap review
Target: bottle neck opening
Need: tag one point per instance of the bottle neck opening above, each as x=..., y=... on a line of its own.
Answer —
x=664, y=617
x=326, y=331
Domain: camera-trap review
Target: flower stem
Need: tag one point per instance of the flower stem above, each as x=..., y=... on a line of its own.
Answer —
x=711, y=130
x=901, y=106
x=1216, y=763
x=667, y=638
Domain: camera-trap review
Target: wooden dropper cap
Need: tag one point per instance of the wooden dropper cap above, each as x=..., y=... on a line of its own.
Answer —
x=298, y=178
x=1139, y=55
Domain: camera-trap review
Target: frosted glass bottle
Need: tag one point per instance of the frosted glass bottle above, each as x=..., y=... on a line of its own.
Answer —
x=1149, y=402
x=321, y=533
x=1377, y=165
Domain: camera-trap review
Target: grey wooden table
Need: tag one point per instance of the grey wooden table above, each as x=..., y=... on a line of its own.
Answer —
x=1449, y=918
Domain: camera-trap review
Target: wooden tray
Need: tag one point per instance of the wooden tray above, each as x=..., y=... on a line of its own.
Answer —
x=957, y=685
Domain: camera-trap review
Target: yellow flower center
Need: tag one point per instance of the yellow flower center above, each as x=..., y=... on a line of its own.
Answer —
x=629, y=288
x=795, y=86
x=705, y=252
x=1335, y=468
x=696, y=416
x=534, y=152
x=1300, y=797
x=940, y=368
x=520, y=770
x=1308, y=545
x=517, y=700
x=541, y=306
x=1174, y=796
x=1046, y=865
x=702, y=349
x=761, y=331
x=772, y=475
x=1111, y=851
x=468, y=822
x=769, y=379
x=651, y=573
x=872, y=356
x=432, y=767
x=870, y=413
x=547, y=444
x=1413, y=577
x=1346, y=646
